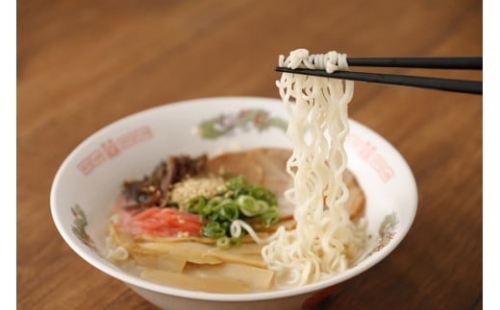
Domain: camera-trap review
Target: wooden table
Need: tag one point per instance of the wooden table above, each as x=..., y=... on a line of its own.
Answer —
x=84, y=64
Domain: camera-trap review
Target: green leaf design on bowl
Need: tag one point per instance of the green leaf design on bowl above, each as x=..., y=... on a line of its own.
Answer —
x=78, y=228
x=226, y=124
x=385, y=233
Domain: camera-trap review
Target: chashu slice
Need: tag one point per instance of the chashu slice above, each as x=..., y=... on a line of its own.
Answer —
x=236, y=164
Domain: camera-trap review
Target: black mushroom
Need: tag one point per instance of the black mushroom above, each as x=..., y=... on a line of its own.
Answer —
x=154, y=189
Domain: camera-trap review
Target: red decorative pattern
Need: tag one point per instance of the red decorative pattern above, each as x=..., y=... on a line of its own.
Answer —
x=136, y=136
x=111, y=148
x=369, y=153
x=91, y=161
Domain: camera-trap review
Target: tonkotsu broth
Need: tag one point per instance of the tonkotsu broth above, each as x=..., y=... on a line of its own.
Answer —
x=183, y=262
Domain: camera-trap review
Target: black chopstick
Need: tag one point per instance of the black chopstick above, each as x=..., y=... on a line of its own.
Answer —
x=463, y=86
x=462, y=63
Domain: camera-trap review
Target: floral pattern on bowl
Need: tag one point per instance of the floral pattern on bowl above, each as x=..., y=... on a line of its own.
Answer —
x=226, y=124
x=79, y=224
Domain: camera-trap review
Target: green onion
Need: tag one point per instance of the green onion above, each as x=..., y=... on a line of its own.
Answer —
x=248, y=205
x=213, y=230
x=223, y=242
x=270, y=217
x=239, y=201
x=196, y=204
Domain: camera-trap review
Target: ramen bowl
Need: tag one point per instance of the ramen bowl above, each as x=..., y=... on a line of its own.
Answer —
x=89, y=180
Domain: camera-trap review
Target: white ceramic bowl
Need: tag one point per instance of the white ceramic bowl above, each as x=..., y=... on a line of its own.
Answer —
x=89, y=180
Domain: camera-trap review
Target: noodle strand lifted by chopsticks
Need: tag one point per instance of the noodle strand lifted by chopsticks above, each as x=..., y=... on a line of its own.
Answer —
x=325, y=240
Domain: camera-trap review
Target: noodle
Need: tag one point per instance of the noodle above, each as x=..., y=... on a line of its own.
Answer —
x=325, y=240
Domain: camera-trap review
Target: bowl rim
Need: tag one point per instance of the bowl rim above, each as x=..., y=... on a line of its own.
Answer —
x=127, y=278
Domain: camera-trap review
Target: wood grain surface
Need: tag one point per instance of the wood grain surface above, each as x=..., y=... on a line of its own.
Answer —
x=84, y=64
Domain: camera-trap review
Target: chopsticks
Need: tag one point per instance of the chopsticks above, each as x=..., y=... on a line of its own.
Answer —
x=459, y=63
x=467, y=63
